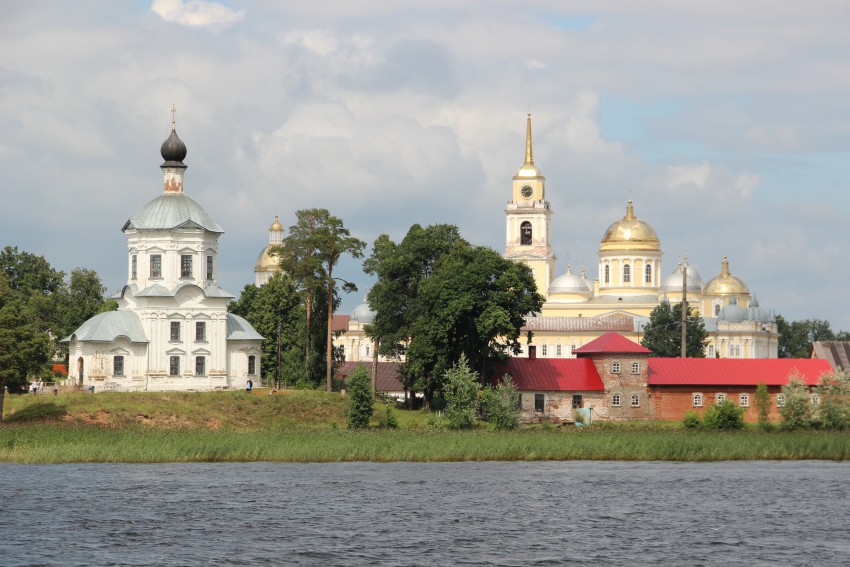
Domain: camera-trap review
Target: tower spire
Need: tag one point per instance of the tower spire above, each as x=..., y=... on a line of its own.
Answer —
x=529, y=156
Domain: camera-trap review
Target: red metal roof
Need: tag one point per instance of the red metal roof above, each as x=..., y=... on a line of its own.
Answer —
x=387, y=379
x=552, y=374
x=733, y=371
x=614, y=343
x=340, y=322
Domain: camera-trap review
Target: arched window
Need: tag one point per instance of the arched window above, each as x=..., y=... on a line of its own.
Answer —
x=607, y=273
x=627, y=273
x=635, y=400
x=525, y=233
x=615, y=400
x=716, y=309
x=648, y=271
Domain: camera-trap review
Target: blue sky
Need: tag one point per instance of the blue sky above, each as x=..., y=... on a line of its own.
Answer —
x=727, y=123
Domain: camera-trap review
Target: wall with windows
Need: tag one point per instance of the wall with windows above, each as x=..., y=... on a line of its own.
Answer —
x=672, y=402
x=537, y=406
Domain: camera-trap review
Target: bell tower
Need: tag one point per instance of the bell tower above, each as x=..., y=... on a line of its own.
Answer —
x=528, y=219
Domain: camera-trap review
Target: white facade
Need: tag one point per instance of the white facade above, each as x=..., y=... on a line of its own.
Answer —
x=171, y=330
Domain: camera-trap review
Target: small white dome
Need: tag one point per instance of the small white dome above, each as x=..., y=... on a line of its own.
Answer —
x=673, y=282
x=569, y=284
x=733, y=313
x=363, y=313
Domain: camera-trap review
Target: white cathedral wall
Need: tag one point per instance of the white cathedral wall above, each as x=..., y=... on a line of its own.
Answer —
x=170, y=245
x=237, y=355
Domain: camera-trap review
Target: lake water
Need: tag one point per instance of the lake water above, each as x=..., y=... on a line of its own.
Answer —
x=540, y=513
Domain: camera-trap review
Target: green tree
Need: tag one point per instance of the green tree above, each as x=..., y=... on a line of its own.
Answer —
x=500, y=404
x=23, y=348
x=762, y=402
x=834, y=393
x=796, y=337
x=437, y=297
x=312, y=250
x=461, y=391
x=663, y=333
x=360, y=401
x=797, y=411
x=276, y=311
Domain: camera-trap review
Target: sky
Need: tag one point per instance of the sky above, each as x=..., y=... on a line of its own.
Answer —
x=727, y=123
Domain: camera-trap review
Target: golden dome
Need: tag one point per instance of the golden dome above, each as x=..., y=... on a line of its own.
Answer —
x=630, y=233
x=528, y=168
x=266, y=261
x=276, y=224
x=726, y=283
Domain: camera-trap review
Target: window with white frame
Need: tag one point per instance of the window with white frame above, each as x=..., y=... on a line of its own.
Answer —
x=716, y=309
x=745, y=400
x=186, y=266
x=719, y=398
x=252, y=365
x=615, y=400
x=557, y=350
x=615, y=367
x=200, y=365
x=539, y=402
x=174, y=366
x=118, y=365
x=175, y=330
x=627, y=273
x=543, y=349
x=780, y=400
x=573, y=348
x=648, y=277
x=209, y=267
x=607, y=273
x=635, y=367
x=134, y=266
x=697, y=400
x=635, y=400
x=710, y=351
x=156, y=266
x=815, y=399
x=200, y=331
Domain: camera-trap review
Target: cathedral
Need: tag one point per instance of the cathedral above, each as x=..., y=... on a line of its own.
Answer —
x=172, y=330
x=630, y=283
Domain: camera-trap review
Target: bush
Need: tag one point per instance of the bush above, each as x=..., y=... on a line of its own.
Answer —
x=499, y=405
x=359, y=398
x=797, y=412
x=461, y=390
x=834, y=393
x=726, y=415
x=388, y=420
x=692, y=420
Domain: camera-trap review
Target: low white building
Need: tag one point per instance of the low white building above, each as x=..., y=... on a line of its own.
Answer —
x=172, y=330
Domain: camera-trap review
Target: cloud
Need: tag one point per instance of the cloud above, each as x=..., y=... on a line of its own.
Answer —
x=196, y=13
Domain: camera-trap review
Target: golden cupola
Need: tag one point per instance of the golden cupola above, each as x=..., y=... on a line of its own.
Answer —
x=630, y=233
x=726, y=283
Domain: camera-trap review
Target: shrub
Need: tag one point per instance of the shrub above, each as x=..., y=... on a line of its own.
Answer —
x=359, y=398
x=692, y=420
x=834, y=393
x=797, y=412
x=499, y=405
x=762, y=403
x=461, y=391
x=388, y=420
x=725, y=415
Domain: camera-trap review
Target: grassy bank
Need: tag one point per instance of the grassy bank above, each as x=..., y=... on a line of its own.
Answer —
x=310, y=427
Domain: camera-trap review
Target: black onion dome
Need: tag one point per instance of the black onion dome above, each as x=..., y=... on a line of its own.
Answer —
x=173, y=151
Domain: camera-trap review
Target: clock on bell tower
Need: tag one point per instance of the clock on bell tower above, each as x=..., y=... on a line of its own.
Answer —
x=528, y=219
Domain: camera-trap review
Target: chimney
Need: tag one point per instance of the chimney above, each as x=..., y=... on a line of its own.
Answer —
x=532, y=351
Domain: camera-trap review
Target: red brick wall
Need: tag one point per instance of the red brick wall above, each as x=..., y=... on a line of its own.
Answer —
x=671, y=402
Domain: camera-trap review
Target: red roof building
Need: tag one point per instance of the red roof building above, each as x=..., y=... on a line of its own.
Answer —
x=612, y=343
x=553, y=374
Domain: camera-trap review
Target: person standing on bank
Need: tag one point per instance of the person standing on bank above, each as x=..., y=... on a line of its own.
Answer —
x=248, y=385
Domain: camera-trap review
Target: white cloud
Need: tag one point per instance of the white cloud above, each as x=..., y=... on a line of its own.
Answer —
x=196, y=13
x=694, y=175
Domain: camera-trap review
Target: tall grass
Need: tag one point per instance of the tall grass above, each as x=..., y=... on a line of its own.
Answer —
x=52, y=443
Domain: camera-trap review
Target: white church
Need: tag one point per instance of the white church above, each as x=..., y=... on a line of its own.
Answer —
x=172, y=330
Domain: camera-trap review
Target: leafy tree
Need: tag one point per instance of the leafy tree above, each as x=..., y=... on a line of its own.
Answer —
x=277, y=310
x=834, y=393
x=692, y=420
x=796, y=337
x=797, y=411
x=360, y=400
x=461, y=391
x=725, y=415
x=23, y=348
x=437, y=297
x=500, y=404
x=663, y=333
x=311, y=251
x=762, y=403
